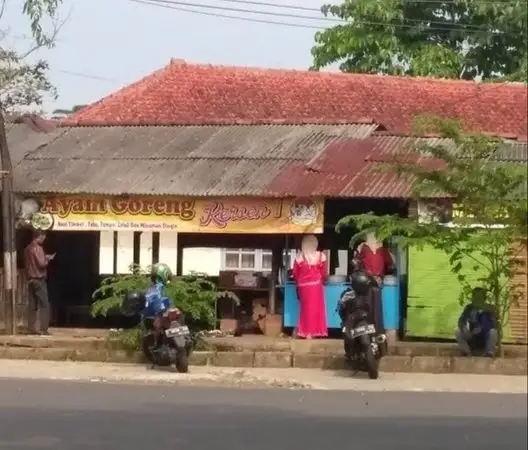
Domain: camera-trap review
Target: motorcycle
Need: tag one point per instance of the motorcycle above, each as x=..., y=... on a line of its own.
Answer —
x=362, y=341
x=165, y=338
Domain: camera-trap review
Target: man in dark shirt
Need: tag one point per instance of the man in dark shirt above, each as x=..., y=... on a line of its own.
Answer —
x=36, y=262
x=477, y=326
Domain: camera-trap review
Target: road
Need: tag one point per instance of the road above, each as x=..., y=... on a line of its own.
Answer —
x=69, y=415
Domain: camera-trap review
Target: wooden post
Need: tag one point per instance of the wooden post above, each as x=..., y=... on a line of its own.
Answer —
x=273, y=322
x=276, y=262
x=8, y=230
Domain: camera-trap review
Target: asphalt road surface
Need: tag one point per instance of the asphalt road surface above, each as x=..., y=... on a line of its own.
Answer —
x=77, y=416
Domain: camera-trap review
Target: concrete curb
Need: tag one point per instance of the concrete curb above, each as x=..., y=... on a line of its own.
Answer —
x=232, y=344
x=282, y=359
x=335, y=347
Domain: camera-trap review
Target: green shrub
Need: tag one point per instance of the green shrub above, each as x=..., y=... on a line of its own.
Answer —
x=194, y=294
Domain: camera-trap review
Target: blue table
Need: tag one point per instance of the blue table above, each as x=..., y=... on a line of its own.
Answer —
x=390, y=298
x=332, y=294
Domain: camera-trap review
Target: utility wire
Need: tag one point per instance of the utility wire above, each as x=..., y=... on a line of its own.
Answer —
x=225, y=16
x=306, y=8
x=184, y=6
x=243, y=10
x=318, y=10
x=88, y=76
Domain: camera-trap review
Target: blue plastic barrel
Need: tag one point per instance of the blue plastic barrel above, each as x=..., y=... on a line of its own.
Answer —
x=390, y=297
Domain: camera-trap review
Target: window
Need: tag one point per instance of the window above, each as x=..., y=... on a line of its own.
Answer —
x=266, y=260
x=243, y=259
x=258, y=260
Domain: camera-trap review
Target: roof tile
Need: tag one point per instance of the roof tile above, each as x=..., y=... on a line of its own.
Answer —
x=185, y=94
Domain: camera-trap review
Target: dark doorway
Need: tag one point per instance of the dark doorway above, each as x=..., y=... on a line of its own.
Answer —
x=73, y=275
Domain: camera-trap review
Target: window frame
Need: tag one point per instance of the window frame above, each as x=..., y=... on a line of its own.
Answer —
x=258, y=255
x=239, y=252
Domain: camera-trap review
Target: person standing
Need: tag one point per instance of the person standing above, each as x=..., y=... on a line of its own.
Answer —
x=309, y=272
x=375, y=260
x=36, y=264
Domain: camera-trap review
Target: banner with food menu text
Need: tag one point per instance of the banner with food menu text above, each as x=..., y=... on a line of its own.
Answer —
x=229, y=215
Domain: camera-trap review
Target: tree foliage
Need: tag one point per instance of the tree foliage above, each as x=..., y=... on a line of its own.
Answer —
x=488, y=203
x=22, y=83
x=23, y=80
x=194, y=294
x=450, y=39
x=38, y=11
x=67, y=112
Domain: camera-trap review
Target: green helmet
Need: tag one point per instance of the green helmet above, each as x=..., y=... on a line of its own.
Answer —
x=161, y=273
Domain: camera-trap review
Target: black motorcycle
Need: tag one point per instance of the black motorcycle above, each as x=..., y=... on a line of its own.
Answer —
x=165, y=338
x=362, y=341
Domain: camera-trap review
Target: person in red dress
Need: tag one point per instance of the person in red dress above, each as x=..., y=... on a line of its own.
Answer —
x=310, y=270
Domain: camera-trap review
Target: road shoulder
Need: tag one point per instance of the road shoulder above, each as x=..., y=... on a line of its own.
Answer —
x=261, y=377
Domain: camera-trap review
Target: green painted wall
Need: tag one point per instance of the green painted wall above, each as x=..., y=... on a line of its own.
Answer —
x=433, y=294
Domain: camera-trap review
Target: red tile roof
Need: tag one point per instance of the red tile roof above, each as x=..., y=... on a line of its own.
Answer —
x=186, y=94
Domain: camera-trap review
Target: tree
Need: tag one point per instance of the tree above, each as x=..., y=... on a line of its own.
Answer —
x=484, y=190
x=24, y=83
x=450, y=39
x=67, y=112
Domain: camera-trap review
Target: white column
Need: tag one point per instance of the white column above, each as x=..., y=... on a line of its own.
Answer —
x=342, y=256
x=145, y=249
x=125, y=251
x=106, y=252
x=168, y=249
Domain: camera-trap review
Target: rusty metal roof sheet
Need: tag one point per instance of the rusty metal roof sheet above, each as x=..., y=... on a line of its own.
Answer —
x=260, y=160
x=176, y=160
x=386, y=145
x=350, y=168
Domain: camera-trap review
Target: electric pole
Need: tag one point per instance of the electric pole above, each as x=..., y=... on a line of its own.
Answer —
x=8, y=233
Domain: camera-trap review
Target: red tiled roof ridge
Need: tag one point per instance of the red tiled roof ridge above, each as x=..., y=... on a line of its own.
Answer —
x=200, y=94
x=234, y=123
x=258, y=70
x=147, y=78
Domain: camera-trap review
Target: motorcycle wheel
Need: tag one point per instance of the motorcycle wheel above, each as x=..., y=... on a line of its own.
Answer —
x=146, y=343
x=371, y=362
x=182, y=361
x=348, y=348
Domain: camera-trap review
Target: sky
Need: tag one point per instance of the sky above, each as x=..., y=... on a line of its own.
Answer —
x=107, y=44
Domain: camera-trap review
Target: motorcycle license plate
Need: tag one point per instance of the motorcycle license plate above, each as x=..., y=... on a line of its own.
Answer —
x=363, y=329
x=177, y=331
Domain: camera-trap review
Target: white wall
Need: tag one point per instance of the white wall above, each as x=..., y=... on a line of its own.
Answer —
x=204, y=260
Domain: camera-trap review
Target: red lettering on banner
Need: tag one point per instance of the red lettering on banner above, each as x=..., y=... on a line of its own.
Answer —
x=216, y=214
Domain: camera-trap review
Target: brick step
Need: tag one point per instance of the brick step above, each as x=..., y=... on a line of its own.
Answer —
x=420, y=364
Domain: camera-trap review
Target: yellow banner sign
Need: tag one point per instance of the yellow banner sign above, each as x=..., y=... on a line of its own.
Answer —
x=230, y=215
